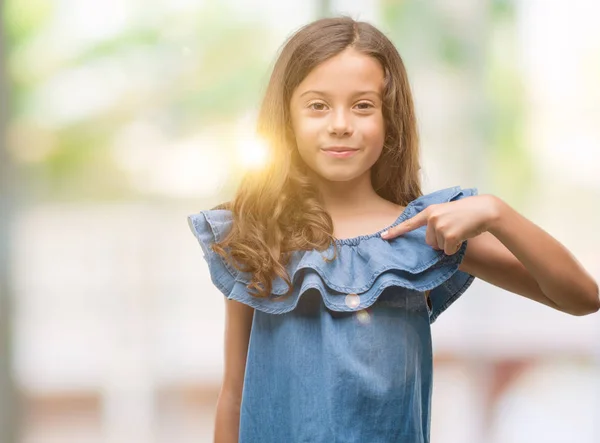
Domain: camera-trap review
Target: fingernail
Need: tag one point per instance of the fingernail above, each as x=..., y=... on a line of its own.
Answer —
x=384, y=234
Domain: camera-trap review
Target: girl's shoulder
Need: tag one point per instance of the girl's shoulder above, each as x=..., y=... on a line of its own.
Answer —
x=220, y=217
x=442, y=196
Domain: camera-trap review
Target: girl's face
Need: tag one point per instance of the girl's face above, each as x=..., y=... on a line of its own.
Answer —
x=337, y=116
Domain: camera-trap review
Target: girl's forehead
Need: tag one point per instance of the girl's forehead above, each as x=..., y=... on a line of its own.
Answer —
x=349, y=71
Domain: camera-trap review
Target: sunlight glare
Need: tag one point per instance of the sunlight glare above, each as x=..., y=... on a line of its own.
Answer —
x=252, y=152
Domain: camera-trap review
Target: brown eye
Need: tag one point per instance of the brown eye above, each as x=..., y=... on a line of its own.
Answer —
x=365, y=105
x=317, y=106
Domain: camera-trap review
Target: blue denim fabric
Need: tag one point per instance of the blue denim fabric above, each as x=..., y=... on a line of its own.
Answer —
x=347, y=357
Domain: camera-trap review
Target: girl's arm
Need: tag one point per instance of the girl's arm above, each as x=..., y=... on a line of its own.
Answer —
x=520, y=257
x=238, y=324
x=506, y=250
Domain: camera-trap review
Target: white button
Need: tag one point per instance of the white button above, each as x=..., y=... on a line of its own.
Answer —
x=352, y=301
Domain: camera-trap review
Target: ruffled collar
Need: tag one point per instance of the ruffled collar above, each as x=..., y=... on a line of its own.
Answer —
x=364, y=267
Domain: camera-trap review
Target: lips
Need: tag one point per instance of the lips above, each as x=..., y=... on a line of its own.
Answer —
x=339, y=149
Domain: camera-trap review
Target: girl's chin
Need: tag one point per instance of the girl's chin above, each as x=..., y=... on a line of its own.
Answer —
x=339, y=176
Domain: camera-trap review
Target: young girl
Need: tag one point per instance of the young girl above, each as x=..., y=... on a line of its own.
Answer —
x=334, y=264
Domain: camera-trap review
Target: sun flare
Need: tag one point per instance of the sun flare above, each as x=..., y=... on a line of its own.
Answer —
x=252, y=152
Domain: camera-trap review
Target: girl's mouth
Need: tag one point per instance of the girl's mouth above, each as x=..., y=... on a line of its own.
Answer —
x=339, y=152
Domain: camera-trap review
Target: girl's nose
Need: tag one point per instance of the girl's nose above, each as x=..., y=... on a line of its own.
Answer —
x=340, y=123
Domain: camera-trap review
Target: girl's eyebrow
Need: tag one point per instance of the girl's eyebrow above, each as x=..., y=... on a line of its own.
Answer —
x=355, y=94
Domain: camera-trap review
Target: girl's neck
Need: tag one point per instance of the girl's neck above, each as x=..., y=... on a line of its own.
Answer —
x=351, y=197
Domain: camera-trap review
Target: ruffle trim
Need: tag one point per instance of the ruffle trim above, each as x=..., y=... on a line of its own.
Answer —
x=364, y=267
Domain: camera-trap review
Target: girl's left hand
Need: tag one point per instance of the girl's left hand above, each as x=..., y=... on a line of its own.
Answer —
x=450, y=224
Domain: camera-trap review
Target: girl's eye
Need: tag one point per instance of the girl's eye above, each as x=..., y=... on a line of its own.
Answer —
x=365, y=106
x=317, y=106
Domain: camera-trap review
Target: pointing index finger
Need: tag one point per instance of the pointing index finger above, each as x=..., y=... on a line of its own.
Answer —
x=407, y=225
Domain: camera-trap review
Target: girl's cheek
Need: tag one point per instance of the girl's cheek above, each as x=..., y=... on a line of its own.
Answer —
x=311, y=127
x=373, y=128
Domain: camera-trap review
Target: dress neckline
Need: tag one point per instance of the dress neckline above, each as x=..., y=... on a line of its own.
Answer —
x=356, y=240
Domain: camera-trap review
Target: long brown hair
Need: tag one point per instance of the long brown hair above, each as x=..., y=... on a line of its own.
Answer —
x=278, y=210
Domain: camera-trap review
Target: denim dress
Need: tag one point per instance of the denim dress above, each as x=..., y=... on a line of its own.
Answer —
x=348, y=356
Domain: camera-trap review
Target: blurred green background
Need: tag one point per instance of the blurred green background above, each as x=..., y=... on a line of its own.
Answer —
x=119, y=118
